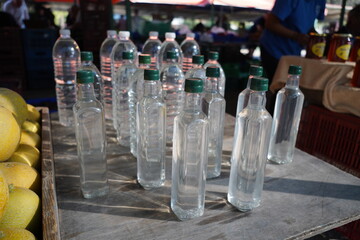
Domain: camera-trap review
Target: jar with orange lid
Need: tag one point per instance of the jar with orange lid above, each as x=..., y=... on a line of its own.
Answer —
x=355, y=50
x=339, y=48
x=316, y=46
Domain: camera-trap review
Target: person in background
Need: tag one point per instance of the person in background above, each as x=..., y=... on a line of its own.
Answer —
x=18, y=9
x=353, y=22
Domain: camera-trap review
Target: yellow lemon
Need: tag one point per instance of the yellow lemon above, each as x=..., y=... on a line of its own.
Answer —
x=13, y=102
x=4, y=194
x=33, y=113
x=26, y=154
x=22, y=211
x=30, y=138
x=16, y=234
x=31, y=126
x=21, y=175
x=9, y=132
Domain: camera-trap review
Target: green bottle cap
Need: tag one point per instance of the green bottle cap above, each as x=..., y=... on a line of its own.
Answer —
x=295, y=70
x=171, y=55
x=213, y=72
x=259, y=84
x=84, y=76
x=144, y=59
x=194, y=85
x=86, y=56
x=198, y=59
x=213, y=55
x=151, y=74
x=127, y=55
x=256, y=70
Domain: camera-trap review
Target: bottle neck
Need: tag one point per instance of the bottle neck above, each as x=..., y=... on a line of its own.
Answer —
x=64, y=36
x=257, y=99
x=127, y=61
x=85, y=91
x=192, y=102
x=189, y=39
x=144, y=65
x=196, y=65
x=212, y=84
x=293, y=81
x=112, y=36
x=249, y=81
x=151, y=88
x=169, y=39
x=86, y=63
x=212, y=61
x=171, y=60
x=124, y=38
x=153, y=38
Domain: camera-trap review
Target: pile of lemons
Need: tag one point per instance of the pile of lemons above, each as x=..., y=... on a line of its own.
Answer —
x=20, y=182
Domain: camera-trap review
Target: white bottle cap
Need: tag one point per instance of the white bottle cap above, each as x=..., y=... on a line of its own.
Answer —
x=111, y=32
x=190, y=35
x=153, y=34
x=65, y=32
x=124, y=34
x=170, y=35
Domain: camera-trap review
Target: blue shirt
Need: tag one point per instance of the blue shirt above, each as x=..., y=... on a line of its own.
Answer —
x=297, y=15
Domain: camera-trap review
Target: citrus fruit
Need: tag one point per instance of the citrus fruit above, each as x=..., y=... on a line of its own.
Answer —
x=13, y=102
x=21, y=175
x=33, y=113
x=10, y=134
x=26, y=154
x=16, y=234
x=31, y=126
x=22, y=211
x=4, y=194
x=30, y=138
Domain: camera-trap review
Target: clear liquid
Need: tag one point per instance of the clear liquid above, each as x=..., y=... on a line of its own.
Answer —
x=151, y=142
x=288, y=108
x=243, y=100
x=107, y=91
x=98, y=82
x=169, y=46
x=189, y=48
x=66, y=97
x=152, y=47
x=222, y=79
x=197, y=72
x=132, y=113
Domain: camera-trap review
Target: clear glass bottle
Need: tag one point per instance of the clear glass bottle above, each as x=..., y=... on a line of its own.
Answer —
x=66, y=57
x=151, y=129
x=137, y=79
x=214, y=107
x=197, y=70
x=250, y=149
x=121, y=104
x=90, y=138
x=152, y=46
x=170, y=44
x=213, y=61
x=105, y=62
x=288, y=108
x=189, y=47
x=190, y=155
x=87, y=64
x=243, y=98
x=172, y=79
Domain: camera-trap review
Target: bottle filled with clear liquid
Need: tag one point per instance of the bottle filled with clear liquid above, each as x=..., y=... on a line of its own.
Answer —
x=137, y=79
x=87, y=64
x=90, y=138
x=243, y=98
x=105, y=61
x=213, y=106
x=197, y=70
x=152, y=46
x=248, y=160
x=66, y=57
x=151, y=129
x=172, y=79
x=170, y=44
x=213, y=61
x=189, y=47
x=121, y=98
x=190, y=155
x=288, y=108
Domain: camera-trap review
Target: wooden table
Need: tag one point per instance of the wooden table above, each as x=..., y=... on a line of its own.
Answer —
x=300, y=199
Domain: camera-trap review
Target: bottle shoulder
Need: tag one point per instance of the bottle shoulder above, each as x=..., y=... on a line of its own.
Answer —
x=250, y=114
x=88, y=105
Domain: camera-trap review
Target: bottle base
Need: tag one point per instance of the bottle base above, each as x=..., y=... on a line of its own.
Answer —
x=243, y=206
x=211, y=175
x=184, y=215
x=95, y=193
x=279, y=161
x=123, y=142
x=150, y=185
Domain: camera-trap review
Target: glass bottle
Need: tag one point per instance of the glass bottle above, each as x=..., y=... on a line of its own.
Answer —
x=190, y=155
x=214, y=107
x=152, y=46
x=288, y=108
x=172, y=79
x=87, y=64
x=151, y=129
x=189, y=47
x=105, y=62
x=243, y=99
x=137, y=79
x=170, y=44
x=197, y=70
x=213, y=61
x=66, y=57
x=90, y=138
x=248, y=160
x=121, y=106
